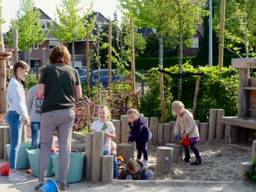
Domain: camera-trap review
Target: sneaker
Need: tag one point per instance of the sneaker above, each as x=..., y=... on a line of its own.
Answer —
x=63, y=186
x=15, y=177
x=186, y=159
x=37, y=187
x=196, y=162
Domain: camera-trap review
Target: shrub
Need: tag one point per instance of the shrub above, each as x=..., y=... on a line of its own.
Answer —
x=31, y=81
x=218, y=89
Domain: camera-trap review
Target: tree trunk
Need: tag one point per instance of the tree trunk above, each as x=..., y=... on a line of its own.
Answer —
x=73, y=54
x=16, y=46
x=3, y=104
x=161, y=63
x=133, y=56
x=221, y=35
x=181, y=44
x=88, y=66
x=110, y=61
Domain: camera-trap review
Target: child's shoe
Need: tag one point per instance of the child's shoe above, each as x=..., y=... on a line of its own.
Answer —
x=197, y=162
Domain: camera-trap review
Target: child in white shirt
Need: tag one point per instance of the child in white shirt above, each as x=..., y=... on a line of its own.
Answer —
x=104, y=124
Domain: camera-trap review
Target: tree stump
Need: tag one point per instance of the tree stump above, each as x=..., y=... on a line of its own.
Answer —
x=167, y=132
x=117, y=124
x=204, y=131
x=164, y=161
x=177, y=151
x=88, y=155
x=220, y=131
x=126, y=151
x=153, y=124
x=97, y=152
x=212, y=124
x=125, y=129
x=246, y=169
x=160, y=133
x=107, y=169
x=253, y=149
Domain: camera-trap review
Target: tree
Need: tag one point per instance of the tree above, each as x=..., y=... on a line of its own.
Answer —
x=70, y=25
x=240, y=26
x=29, y=27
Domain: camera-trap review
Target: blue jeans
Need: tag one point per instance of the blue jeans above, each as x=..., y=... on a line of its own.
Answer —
x=15, y=122
x=35, y=130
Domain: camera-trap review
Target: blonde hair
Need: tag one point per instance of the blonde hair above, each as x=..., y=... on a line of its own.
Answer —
x=133, y=111
x=177, y=105
x=105, y=108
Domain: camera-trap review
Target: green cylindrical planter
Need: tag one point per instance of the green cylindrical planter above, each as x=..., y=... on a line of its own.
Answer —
x=76, y=167
x=22, y=159
x=33, y=157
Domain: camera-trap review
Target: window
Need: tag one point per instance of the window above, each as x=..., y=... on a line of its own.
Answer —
x=36, y=47
x=195, y=42
x=52, y=44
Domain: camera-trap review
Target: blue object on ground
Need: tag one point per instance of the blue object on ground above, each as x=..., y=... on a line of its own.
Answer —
x=49, y=186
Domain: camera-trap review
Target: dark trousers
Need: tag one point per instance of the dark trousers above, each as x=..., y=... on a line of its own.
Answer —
x=142, y=149
x=193, y=147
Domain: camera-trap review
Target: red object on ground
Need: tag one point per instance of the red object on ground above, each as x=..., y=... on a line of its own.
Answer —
x=4, y=169
x=186, y=141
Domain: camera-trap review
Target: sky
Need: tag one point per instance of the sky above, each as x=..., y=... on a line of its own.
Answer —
x=10, y=7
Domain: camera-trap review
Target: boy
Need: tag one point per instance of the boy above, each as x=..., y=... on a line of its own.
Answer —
x=140, y=133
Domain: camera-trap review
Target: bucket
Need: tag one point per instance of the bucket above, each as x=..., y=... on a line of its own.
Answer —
x=22, y=159
x=33, y=157
x=76, y=167
x=4, y=169
x=49, y=186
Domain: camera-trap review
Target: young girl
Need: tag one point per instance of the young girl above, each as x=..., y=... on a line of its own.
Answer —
x=136, y=171
x=17, y=115
x=186, y=129
x=139, y=133
x=104, y=124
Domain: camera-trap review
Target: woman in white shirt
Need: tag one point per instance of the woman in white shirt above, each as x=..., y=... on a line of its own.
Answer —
x=104, y=124
x=17, y=115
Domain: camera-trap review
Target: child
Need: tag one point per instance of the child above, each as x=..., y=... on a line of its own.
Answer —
x=139, y=133
x=136, y=171
x=187, y=130
x=34, y=110
x=104, y=124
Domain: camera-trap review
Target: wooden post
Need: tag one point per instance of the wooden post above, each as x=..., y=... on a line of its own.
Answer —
x=246, y=169
x=88, y=155
x=177, y=151
x=153, y=124
x=2, y=145
x=125, y=129
x=204, y=132
x=126, y=151
x=160, y=133
x=133, y=68
x=110, y=60
x=167, y=131
x=117, y=124
x=253, y=149
x=212, y=124
x=227, y=134
x=88, y=66
x=164, y=161
x=24, y=134
x=172, y=136
x=219, y=125
x=2, y=67
x=97, y=152
x=16, y=46
x=6, y=141
x=221, y=34
x=242, y=101
x=198, y=79
x=107, y=169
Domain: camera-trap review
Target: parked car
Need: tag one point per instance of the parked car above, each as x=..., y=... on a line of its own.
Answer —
x=103, y=79
x=82, y=74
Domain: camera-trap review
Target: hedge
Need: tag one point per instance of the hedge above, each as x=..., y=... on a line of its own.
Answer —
x=218, y=89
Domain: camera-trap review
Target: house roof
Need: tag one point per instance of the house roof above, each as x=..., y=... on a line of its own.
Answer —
x=43, y=15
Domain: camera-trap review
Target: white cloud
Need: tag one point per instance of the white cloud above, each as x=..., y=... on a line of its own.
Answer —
x=10, y=7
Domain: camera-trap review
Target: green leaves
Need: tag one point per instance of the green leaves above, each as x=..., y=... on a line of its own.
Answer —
x=28, y=25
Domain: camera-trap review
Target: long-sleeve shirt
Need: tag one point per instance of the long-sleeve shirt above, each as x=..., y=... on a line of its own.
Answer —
x=16, y=98
x=185, y=123
x=31, y=105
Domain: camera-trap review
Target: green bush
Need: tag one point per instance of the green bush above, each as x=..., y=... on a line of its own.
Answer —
x=31, y=81
x=218, y=89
